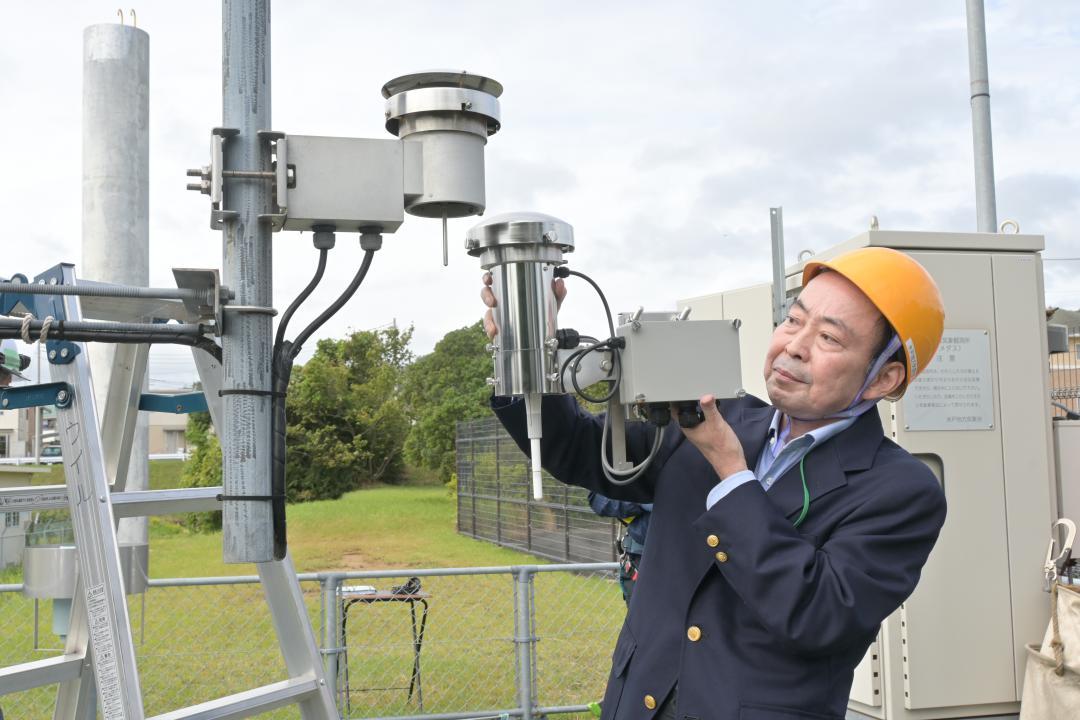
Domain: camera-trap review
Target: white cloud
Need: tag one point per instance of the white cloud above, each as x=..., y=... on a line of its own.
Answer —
x=662, y=132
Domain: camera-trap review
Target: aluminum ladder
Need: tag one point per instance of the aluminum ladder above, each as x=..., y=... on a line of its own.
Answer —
x=99, y=660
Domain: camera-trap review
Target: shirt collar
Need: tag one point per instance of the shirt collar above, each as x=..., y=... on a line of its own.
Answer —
x=778, y=439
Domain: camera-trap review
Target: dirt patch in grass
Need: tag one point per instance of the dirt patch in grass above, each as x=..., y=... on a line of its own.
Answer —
x=361, y=561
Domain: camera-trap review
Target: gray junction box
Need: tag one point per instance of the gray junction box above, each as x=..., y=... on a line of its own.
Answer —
x=669, y=361
x=981, y=421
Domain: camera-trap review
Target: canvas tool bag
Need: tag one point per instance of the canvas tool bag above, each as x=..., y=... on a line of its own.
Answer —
x=1052, y=679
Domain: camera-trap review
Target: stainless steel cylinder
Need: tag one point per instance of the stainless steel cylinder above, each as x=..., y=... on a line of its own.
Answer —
x=49, y=571
x=521, y=251
x=451, y=114
x=116, y=204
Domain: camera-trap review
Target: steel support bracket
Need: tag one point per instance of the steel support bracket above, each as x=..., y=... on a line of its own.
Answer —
x=218, y=216
x=279, y=151
x=57, y=393
x=208, y=280
x=61, y=352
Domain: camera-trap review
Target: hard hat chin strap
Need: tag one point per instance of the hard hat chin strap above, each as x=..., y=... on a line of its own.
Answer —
x=858, y=406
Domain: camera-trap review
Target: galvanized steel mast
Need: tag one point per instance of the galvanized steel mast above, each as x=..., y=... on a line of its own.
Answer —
x=247, y=337
x=985, y=197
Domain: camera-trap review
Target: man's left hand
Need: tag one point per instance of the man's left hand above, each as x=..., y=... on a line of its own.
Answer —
x=716, y=440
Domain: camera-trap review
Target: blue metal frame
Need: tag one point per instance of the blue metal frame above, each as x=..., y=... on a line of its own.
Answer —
x=42, y=306
x=59, y=394
x=178, y=404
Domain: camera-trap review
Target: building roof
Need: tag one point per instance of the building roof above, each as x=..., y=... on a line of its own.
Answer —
x=1069, y=318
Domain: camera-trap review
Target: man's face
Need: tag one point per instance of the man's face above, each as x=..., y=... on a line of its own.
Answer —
x=819, y=356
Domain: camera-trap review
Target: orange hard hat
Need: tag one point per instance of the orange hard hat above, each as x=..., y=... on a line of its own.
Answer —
x=903, y=291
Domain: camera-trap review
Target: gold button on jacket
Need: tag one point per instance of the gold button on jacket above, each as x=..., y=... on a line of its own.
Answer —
x=694, y=633
x=650, y=702
x=712, y=541
x=721, y=556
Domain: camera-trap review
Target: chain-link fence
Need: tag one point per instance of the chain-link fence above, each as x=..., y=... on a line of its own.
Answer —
x=468, y=642
x=495, y=502
x=1065, y=377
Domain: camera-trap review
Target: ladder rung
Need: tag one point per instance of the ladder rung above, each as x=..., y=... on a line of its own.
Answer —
x=132, y=503
x=248, y=703
x=38, y=673
x=137, y=503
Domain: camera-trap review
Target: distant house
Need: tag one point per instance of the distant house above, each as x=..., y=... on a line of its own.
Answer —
x=13, y=523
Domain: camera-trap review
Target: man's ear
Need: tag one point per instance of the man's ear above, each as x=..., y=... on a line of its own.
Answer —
x=888, y=381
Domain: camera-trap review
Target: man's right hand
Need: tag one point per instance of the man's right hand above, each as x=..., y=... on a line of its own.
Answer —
x=557, y=286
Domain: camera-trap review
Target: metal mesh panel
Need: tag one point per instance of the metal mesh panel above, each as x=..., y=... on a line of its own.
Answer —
x=495, y=501
x=578, y=617
x=449, y=647
x=1065, y=376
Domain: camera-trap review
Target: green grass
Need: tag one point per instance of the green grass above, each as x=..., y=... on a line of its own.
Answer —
x=203, y=642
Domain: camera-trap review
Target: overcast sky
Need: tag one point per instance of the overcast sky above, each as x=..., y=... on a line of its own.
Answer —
x=662, y=132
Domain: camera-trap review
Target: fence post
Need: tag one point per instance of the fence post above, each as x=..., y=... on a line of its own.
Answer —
x=498, y=514
x=333, y=642
x=525, y=639
x=566, y=519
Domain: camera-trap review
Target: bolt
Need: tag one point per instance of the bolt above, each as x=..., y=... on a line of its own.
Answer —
x=740, y=393
x=52, y=281
x=551, y=236
x=491, y=347
x=6, y=402
x=553, y=377
x=605, y=365
x=64, y=353
x=490, y=381
x=179, y=409
x=551, y=343
x=52, y=354
x=101, y=498
x=61, y=396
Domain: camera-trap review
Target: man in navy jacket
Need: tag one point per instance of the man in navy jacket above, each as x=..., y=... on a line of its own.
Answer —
x=782, y=535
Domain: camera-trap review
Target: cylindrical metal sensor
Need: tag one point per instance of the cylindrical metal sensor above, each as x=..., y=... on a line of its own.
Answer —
x=451, y=114
x=521, y=250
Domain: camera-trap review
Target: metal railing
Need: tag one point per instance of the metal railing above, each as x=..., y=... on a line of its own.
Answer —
x=512, y=641
x=495, y=502
x=1065, y=377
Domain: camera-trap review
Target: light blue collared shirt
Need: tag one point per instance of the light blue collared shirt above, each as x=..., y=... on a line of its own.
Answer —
x=778, y=457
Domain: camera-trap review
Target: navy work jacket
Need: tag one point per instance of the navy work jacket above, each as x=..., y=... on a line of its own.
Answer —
x=752, y=618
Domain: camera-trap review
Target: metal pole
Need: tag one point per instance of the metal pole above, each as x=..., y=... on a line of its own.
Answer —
x=985, y=198
x=116, y=204
x=776, y=222
x=247, y=339
x=524, y=639
x=333, y=642
x=39, y=418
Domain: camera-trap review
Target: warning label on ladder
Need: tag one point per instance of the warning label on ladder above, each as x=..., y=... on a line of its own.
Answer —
x=104, y=647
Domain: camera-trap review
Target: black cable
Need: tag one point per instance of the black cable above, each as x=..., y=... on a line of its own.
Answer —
x=57, y=331
x=563, y=271
x=284, y=354
x=336, y=305
x=578, y=355
x=304, y=294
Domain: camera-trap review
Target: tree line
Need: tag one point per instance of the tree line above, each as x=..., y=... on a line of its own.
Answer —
x=361, y=411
